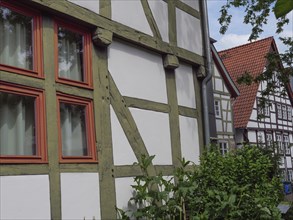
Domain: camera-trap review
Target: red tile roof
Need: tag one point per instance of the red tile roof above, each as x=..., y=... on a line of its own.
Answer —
x=246, y=58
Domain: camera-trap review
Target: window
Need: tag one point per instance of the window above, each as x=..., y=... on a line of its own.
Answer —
x=279, y=143
x=289, y=110
x=73, y=55
x=76, y=129
x=279, y=111
x=223, y=145
x=269, y=139
x=217, y=108
x=20, y=45
x=286, y=144
x=290, y=175
x=264, y=110
x=22, y=124
x=284, y=111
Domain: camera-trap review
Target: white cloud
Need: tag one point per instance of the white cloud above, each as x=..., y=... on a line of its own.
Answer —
x=231, y=40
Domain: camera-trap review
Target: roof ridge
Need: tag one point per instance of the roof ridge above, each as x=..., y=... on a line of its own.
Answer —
x=247, y=44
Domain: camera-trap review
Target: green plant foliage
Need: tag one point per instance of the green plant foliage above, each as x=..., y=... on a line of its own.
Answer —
x=257, y=13
x=240, y=185
x=283, y=7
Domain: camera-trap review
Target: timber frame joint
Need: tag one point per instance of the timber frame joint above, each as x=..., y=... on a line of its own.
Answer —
x=102, y=37
x=201, y=72
x=171, y=62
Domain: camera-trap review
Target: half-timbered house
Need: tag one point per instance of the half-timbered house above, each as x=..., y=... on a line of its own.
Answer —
x=276, y=127
x=86, y=88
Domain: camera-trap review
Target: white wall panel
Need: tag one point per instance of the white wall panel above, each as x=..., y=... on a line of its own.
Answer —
x=219, y=125
x=185, y=86
x=80, y=196
x=130, y=13
x=252, y=136
x=289, y=162
x=219, y=84
x=155, y=131
x=137, y=73
x=160, y=13
x=189, y=139
x=124, y=192
x=189, y=34
x=24, y=197
x=92, y=5
x=122, y=151
x=192, y=3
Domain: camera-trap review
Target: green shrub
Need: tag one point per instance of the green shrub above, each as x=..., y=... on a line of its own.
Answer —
x=238, y=186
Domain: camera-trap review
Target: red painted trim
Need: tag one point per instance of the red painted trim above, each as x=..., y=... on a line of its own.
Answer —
x=87, y=54
x=40, y=124
x=90, y=129
x=37, y=71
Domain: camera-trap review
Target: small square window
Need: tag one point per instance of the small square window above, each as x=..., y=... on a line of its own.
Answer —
x=20, y=45
x=279, y=111
x=76, y=129
x=22, y=124
x=73, y=55
x=223, y=145
x=217, y=108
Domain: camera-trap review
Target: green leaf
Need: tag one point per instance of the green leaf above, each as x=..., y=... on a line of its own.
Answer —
x=283, y=7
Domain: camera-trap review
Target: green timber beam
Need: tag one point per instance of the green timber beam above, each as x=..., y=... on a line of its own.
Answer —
x=122, y=31
x=128, y=125
x=151, y=19
x=51, y=116
x=103, y=133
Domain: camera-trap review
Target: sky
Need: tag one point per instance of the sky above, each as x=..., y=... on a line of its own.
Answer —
x=238, y=32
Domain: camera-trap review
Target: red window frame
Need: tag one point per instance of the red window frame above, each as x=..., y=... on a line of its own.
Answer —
x=40, y=123
x=37, y=41
x=87, y=54
x=90, y=129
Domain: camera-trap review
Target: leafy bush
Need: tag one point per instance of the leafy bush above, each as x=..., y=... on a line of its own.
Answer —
x=238, y=186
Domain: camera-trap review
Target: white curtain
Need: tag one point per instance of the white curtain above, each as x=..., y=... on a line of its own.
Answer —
x=70, y=56
x=17, y=132
x=16, y=39
x=73, y=130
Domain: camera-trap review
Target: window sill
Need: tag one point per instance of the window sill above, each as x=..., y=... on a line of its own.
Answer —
x=26, y=72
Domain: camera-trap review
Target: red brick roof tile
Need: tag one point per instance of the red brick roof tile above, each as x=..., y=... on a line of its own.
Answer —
x=238, y=60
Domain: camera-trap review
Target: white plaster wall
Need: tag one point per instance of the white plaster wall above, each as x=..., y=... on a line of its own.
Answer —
x=122, y=151
x=160, y=13
x=154, y=129
x=92, y=5
x=192, y=3
x=124, y=192
x=130, y=13
x=189, y=34
x=137, y=73
x=251, y=124
x=219, y=84
x=289, y=162
x=252, y=136
x=216, y=71
x=80, y=196
x=219, y=125
x=25, y=197
x=190, y=148
x=185, y=86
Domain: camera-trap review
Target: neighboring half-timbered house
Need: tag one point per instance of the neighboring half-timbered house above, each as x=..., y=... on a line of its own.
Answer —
x=277, y=125
x=86, y=88
x=225, y=93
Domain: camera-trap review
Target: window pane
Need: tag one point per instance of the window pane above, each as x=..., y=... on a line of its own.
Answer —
x=73, y=130
x=16, y=39
x=17, y=125
x=70, y=55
